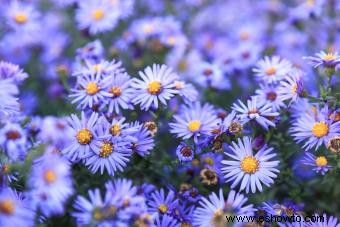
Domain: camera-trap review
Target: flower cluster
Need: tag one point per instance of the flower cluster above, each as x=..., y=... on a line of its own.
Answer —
x=168, y=113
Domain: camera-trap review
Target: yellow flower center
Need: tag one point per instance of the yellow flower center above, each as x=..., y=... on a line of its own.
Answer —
x=154, y=87
x=244, y=35
x=5, y=168
x=321, y=161
x=98, y=14
x=92, y=88
x=320, y=129
x=50, y=176
x=270, y=71
x=20, y=18
x=162, y=208
x=148, y=28
x=184, y=224
x=84, y=136
x=209, y=161
x=310, y=3
x=97, y=67
x=194, y=126
x=7, y=206
x=179, y=84
x=329, y=57
x=106, y=149
x=115, y=130
x=294, y=88
x=172, y=40
x=116, y=91
x=250, y=164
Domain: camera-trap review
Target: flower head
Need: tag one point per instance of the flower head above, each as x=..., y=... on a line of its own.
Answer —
x=324, y=59
x=319, y=163
x=249, y=169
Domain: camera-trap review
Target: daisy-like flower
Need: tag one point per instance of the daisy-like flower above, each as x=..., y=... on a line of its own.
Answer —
x=272, y=69
x=322, y=58
x=83, y=130
x=247, y=169
x=14, y=211
x=194, y=120
x=97, y=16
x=187, y=91
x=161, y=204
x=290, y=88
x=101, y=67
x=323, y=221
x=9, y=104
x=96, y=211
x=51, y=184
x=121, y=129
x=109, y=154
x=254, y=111
x=91, y=91
x=214, y=211
x=157, y=84
x=267, y=94
x=184, y=152
x=315, y=129
x=122, y=93
x=319, y=163
x=12, y=72
x=143, y=142
x=13, y=140
x=21, y=17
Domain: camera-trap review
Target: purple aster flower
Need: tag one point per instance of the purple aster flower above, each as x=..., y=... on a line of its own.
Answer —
x=267, y=94
x=194, y=121
x=254, y=111
x=92, y=51
x=157, y=84
x=248, y=169
x=323, y=221
x=91, y=91
x=185, y=152
x=102, y=67
x=272, y=69
x=319, y=163
x=84, y=136
x=12, y=72
x=97, y=16
x=143, y=141
x=291, y=88
x=161, y=203
x=14, y=211
x=122, y=93
x=324, y=59
x=126, y=198
x=214, y=211
x=22, y=17
x=121, y=129
x=13, y=140
x=315, y=129
x=109, y=154
x=166, y=220
x=9, y=104
x=51, y=184
x=187, y=91
x=95, y=210
x=192, y=195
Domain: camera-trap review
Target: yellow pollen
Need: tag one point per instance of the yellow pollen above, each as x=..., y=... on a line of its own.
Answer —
x=116, y=91
x=98, y=14
x=320, y=129
x=218, y=213
x=310, y=3
x=179, y=84
x=7, y=206
x=250, y=165
x=115, y=130
x=106, y=149
x=162, y=208
x=194, y=126
x=185, y=224
x=154, y=87
x=195, y=162
x=209, y=161
x=148, y=28
x=5, y=168
x=171, y=40
x=97, y=215
x=321, y=161
x=270, y=71
x=329, y=57
x=50, y=176
x=20, y=18
x=97, y=67
x=294, y=88
x=244, y=35
x=92, y=88
x=84, y=136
